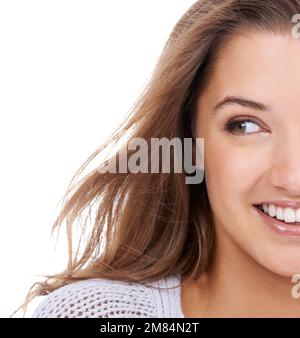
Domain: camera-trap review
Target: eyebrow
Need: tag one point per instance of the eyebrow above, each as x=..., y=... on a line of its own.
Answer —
x=235, y=100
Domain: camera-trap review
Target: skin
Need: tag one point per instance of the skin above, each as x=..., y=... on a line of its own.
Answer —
x=251, y=275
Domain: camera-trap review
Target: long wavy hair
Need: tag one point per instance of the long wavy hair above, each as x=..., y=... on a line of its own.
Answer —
x=143, y=227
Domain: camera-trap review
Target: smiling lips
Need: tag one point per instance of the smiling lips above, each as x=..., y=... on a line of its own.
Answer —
x=286, y=214
x=283, y=218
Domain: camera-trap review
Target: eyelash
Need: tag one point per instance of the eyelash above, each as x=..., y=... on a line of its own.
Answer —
x=229, y=126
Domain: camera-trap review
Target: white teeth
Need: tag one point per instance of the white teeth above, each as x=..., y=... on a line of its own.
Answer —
x=287, y=215
x=279, y=214
x=272, y=210
x=298, y=215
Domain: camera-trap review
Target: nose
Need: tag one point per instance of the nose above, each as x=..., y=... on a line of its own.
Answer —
x=285, y=172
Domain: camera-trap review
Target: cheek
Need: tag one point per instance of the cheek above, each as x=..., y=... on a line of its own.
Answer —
x=235, y=177
x=231, y=172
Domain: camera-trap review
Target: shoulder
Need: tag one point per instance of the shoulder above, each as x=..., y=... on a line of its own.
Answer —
x=102, y=298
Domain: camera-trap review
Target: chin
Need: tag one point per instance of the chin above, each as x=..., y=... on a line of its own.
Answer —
x=284, y=267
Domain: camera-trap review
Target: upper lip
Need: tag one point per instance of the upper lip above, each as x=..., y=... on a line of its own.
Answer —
x=282, y=203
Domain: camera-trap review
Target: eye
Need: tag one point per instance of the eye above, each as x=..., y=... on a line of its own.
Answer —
x=242, y=126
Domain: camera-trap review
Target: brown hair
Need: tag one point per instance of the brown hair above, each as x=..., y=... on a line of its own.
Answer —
x=150, y=226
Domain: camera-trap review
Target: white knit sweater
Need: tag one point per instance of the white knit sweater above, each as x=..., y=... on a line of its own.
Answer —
x=104, y=298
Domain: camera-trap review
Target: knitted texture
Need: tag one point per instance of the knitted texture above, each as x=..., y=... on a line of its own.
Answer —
x=104, y=298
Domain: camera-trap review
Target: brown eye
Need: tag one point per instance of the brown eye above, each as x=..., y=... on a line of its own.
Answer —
x=242, y=127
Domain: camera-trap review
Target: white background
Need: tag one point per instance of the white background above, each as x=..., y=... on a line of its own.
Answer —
x=69, y=72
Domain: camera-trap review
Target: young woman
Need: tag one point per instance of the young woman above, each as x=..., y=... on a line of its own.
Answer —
x=230, y=245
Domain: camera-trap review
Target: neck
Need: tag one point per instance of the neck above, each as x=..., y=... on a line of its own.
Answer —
x=238, y=286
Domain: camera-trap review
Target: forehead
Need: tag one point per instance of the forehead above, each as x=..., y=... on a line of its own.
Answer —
x=261, y=65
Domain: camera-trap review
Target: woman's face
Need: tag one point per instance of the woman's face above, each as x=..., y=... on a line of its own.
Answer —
x=252, y=147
